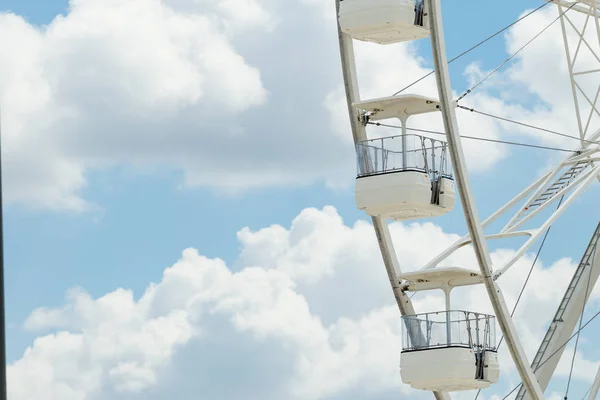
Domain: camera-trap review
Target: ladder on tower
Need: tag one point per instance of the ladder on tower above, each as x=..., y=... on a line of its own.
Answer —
x=543, y=352
x=551, y=191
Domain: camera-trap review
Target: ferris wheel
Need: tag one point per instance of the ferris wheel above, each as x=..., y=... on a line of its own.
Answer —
x=412, y=176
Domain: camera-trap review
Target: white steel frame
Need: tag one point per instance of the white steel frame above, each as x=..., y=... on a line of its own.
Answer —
x=464, y=188
x=565, y=319
x=576, y=71
x=543, y=193
x=549, y=188
x=569, y=179
x=588, y=7
x=591, y=9
x=536, y=191
x=359, y=133
x=595, y=387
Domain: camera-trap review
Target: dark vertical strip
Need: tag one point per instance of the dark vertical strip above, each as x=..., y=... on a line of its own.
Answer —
x=3, y=390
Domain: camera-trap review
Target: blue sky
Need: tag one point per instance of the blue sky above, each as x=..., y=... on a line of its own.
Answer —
x=145, y=219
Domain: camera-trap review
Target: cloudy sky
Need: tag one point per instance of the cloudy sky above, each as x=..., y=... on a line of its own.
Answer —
x=180, y=220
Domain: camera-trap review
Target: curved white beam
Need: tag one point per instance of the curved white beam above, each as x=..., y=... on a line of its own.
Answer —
x=595, y=387
x=567, y=315
x=456, y=245
x=384, y=239
x=470, y=211
x=586, y=180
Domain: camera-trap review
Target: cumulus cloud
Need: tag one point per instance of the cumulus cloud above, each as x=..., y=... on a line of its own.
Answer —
x=202, y=87
x=233, y=97
x=108, y=83
x=307, y=314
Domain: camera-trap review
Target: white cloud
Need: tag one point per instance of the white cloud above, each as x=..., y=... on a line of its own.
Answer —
x=308, y=315
x=87, y=89
x=234, y=97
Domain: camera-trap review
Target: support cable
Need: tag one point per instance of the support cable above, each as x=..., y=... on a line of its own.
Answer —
x=537, y=256
x=588, y=392
x=556, y=351
x=527, y=279
x=517, y=52
x=587, y=290
x=528, y=125
x=474, y=47
x=477, y=138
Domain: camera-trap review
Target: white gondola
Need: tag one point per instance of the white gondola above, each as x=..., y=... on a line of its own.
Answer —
x=404, y=177
x=465, y=360
x=384, y=21
x=392, y=185
x=447, y=350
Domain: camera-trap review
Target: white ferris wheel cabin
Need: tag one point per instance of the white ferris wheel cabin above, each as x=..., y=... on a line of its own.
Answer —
x=410, y=176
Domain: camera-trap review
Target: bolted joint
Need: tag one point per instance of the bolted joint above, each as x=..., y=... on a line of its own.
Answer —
x=364, y=118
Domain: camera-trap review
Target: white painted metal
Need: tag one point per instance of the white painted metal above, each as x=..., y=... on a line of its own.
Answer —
x=581, y=180
x=404, y=120
x=479, y=244
x=445, y=279
x=404, y=177
x=440, y=278
x=582, y=6
x=381, y=21
x=580, y=66
x=560, y=181
x=401, y=195
x=569, y=311
x=458, y=353
x=595, y=387
x=448, y=368
x=585, y=182
x=590, y=9
x=542, y=193
x=447, y=194
x=400, y=107
x=502, y=210
x=570, y=66
x=567, y=177
x=382, y=232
